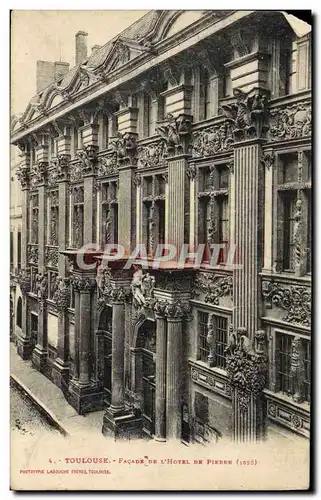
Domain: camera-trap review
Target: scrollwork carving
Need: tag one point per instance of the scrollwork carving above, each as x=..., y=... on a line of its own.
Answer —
x=295, y=300
x=214, y=286
x=152, y=155
x=291, y=122
x=212, y=140
x=246, y=368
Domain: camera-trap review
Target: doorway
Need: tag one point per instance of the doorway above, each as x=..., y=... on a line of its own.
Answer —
x=147, y=343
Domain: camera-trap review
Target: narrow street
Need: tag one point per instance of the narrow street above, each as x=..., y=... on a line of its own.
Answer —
x=25, y=418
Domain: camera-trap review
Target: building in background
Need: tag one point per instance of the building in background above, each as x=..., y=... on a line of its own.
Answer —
x=190, y=127
x=15, y=243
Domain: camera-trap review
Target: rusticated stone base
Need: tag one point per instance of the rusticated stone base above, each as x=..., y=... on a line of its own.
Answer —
x=122, y=425
x=24, y=347
x=39, y=359
x=59, y=372
x=84, y=398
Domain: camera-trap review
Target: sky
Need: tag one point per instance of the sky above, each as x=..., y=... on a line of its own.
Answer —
x=50, y=36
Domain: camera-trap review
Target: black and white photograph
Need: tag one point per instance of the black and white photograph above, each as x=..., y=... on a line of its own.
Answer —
x=160, y=250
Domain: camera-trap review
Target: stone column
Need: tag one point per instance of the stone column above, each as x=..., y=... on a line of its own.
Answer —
x=176, y=201
x=84, y=338
x=120, y=421
x=118, y=344
x=23, y=174
x=60, y=368
x=249, y=196
x=40, y=353
x=161, y=358
x=248, y=407
x=83, y=394
x=173, y=386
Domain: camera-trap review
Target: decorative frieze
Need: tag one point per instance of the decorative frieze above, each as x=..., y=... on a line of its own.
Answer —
x=51, y=256
x=107, y=165
x=246, y=367
x=152, y=155
x=176, y=131
x=172, y=310
x=294, y=300
x=24, y=280
x=214, y=286
x=213, y=140
x=62, y=294
x=210, y=380
x=107, y=290
x=247, y=116
x=33, y=254
x=289, y=415
x=291, y=122
x=83, y=283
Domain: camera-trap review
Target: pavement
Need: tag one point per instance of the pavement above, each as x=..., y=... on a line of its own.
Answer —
x=50, y=400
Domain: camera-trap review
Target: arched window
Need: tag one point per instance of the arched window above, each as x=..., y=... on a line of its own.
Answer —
x=19, y=313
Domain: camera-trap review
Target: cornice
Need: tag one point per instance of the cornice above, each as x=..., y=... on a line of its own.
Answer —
x=166, y=49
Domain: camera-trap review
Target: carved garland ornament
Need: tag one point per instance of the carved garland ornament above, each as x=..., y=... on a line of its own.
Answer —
x=295, y=300
x=24, y=279
x=212, y=140
x=152, y=155
x=214, y=286
x=62, y=294
x=246, y=365
x=292, y=122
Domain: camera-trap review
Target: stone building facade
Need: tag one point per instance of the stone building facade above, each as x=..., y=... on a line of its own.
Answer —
x=190, y=127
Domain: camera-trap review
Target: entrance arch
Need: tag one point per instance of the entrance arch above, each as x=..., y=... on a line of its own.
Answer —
x=144, y=372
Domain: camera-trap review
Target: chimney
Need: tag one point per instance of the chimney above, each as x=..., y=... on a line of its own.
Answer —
x=45, y=74
x=61, y=69
x=94, y=48
x=48, y=72
x=81, y=46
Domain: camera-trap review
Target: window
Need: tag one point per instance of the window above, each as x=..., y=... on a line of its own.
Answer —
x=109, y=207
x=203, y=347
x=221, y=341
x=215, y=353
x=294, y=212
x=284, y=349
x=151, y=116
x=153, y=211
x=309, y=230
x=19, y=249
x=289, y=204
x=307, y=369
x=52, y=284
x=11, y=249
x=53, y=218
x=19, y=313
x=213, y=207
x=206, y=94
x=34, y=218
x=294, y=384
x=78, y=217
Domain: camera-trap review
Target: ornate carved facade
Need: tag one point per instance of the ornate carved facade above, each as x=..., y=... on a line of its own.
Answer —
x=208, y=149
